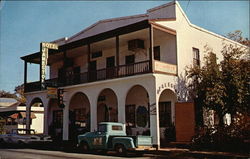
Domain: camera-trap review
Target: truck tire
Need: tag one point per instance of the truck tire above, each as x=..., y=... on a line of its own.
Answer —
x=84, y=147
x=120, y=150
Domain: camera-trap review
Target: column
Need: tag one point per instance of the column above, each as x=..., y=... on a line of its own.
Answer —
x=121, y=100
x=88, y=60
x=66, y=122
x=117, y=54
x=151, y=50
x=25, y=74
x=28, y=116
x=93, y=112
x=45, y=120
x=154, y=119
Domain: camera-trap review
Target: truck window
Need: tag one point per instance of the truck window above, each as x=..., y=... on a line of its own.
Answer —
x=102, y=128
x=115, y=127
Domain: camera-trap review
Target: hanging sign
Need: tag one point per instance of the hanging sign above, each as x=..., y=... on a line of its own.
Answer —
x=44, y=49
x=51, y=92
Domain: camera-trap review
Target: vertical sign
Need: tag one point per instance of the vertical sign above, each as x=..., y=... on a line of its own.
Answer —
x=44, y=49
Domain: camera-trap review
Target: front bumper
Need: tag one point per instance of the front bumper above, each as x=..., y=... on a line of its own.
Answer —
x=142, y=148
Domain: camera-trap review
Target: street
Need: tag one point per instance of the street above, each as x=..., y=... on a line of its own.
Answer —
x=26, y=153
x=41, y=154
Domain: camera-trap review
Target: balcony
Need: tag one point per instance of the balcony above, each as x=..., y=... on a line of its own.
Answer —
x=92, y=76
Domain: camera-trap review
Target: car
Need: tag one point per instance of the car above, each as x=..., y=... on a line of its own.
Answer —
x=112, y=136
x=24, y=137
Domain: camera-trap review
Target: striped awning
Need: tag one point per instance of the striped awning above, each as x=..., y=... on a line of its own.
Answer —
x=23, y=115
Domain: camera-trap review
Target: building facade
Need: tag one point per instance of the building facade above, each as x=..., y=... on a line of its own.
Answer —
x=129, y=70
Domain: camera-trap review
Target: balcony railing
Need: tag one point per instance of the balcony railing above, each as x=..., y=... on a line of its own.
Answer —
x=91, y=76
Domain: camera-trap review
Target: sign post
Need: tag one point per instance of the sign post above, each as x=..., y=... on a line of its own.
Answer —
x=44, y=50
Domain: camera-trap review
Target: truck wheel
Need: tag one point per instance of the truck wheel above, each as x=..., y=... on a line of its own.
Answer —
x=84, y=147
x=120, y=150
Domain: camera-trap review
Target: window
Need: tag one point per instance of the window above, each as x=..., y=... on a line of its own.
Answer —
x=102, y=128
x=130, y=115
x=165, y=114
x=141, y=116
x=115, y=127
x=96, y=54
x=157, y=55
x=196, y=57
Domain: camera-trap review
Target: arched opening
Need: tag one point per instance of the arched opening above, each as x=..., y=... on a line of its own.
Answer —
x=79, y=115
x=166, y=109
x=107, y=106
x=55, y=120
x=137, y=111
x=36, y=114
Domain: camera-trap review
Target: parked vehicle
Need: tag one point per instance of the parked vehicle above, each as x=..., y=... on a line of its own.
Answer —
x=24, y=136
x=112, y=136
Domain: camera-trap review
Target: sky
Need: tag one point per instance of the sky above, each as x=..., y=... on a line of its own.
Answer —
x=24, y=24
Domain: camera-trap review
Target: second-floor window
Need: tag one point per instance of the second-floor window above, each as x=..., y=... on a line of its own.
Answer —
x=196, y=57
x=157, y=53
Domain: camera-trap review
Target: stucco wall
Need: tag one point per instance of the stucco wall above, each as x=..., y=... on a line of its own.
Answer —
x=189, y=36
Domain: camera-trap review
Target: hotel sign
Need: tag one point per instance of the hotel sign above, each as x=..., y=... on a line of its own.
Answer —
x=44, y=49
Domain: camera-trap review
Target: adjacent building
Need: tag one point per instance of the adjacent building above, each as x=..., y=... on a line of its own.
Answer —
x=13, y=116
x=129, y=70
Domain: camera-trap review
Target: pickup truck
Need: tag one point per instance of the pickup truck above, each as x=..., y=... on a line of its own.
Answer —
x=112, y=136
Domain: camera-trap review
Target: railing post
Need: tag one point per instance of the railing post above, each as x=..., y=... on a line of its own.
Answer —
x=151, y=52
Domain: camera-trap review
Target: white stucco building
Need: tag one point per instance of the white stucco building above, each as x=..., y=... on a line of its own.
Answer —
x=13, y=115
x=128, y=69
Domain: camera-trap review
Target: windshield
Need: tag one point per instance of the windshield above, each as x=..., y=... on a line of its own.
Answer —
x=102, y=128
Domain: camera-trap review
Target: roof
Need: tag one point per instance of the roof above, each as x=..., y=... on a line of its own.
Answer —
x=103, y=27
x=6, y=102
x=91, y=39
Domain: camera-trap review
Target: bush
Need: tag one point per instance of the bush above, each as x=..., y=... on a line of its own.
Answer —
x=231, y=138
x=169, y=133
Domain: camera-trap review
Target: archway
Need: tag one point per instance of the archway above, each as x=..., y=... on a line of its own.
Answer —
x=137, y=114
x=166, y=109
x=55, y=120
x=36, y=114
x=107, y=106
x=79, y=115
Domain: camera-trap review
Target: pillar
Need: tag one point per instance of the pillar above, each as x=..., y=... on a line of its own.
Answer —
x=151, y=50
x=93, y=112
x=66, y=122
x=121, y=100
x=154, y=118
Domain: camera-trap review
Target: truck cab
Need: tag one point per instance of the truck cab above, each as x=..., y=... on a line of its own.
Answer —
x=112, y=136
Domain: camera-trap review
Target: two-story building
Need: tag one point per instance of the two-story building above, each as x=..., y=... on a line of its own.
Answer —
x=129, y=70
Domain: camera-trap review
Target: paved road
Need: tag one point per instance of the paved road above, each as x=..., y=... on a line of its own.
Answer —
x=41, y=154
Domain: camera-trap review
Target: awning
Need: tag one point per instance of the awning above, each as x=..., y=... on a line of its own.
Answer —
x=14, y=116
x=23, y=115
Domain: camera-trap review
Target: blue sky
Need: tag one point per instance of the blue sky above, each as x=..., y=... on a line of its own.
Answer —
x=24, y=24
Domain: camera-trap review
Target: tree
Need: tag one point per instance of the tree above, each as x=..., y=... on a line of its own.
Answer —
x=18, y=95
x=223, y=87
x=19, y=91
x=5, y=94
x=237, y=36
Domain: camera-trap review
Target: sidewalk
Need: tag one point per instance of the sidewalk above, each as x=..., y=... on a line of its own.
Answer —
x=213, y=154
